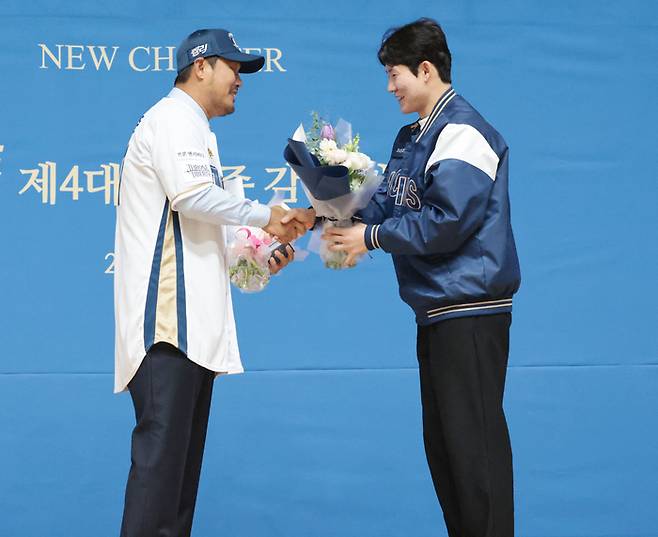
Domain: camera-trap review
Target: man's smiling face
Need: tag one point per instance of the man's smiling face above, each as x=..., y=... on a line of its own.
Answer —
x=407, y=88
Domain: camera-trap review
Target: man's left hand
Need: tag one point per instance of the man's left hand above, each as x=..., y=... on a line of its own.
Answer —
x=283, y=260
x=347, y=239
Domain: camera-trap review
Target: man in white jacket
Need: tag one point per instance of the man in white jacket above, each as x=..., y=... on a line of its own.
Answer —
x=175, y=329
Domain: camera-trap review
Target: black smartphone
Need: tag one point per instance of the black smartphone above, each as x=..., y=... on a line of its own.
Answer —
x=281, y=248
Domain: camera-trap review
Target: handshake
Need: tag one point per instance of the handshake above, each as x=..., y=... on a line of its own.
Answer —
x=288, y=225
x=248, y=268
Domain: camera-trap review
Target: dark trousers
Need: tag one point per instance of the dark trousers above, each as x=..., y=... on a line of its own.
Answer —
x=462, y=365
x=171, y=396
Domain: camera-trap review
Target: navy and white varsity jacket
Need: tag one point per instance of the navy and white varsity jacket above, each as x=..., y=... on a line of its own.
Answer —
x=443, y=213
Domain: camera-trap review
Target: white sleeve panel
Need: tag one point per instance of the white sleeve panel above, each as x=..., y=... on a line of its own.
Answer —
x=180, y=155
x=216, y=206
x=465, y=143
x=183, y=166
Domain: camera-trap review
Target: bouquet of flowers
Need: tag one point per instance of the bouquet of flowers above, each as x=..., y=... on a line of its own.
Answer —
x=248, y=256
x=338, y=179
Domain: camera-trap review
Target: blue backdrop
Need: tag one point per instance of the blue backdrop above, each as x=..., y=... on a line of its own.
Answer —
x=322, y=436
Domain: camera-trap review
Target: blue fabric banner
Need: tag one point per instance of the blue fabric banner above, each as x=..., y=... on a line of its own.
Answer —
x=322, y=435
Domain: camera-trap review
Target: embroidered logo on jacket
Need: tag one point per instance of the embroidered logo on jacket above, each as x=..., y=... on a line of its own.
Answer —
x=404, y=190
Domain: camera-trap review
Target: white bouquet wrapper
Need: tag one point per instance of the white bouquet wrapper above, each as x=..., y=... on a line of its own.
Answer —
x=332, y=260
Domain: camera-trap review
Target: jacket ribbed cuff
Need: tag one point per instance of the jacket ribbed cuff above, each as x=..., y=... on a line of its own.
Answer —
x=371, y=236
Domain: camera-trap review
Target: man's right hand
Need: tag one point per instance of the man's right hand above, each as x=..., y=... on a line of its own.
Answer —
x=306, y=217
x=286, y=231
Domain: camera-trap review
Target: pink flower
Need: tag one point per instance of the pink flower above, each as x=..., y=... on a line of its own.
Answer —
x=255, y=241
x=328, y=133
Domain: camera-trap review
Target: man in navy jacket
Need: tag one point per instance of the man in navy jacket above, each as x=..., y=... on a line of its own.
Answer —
x=443, y=213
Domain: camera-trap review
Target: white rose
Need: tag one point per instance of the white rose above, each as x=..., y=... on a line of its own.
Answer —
x=329, y=158
x=349, y=161
x=335, y=157
x=362, y=161
x=358, y=161
x=340, y=155
x=327, y=146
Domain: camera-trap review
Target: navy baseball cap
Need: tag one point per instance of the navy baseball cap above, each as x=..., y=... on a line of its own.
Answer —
x=215, y=42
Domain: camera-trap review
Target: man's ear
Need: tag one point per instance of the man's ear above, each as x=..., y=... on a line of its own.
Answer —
x=200, y=68
x=425, y=70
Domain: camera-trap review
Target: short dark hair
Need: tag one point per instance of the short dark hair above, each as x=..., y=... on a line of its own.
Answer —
x=184, y=75
x=414, y=43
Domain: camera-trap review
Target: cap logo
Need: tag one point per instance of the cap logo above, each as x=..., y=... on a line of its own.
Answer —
x=201, y=49
x=230, y=36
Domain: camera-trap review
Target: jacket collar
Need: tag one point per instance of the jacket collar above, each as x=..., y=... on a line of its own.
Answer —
x=426, y=123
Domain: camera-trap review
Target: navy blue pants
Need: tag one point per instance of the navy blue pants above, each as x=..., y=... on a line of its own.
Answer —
x=463, y=364
x=171, y=395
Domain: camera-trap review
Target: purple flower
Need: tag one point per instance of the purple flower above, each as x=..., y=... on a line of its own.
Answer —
x=328, y=133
